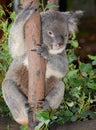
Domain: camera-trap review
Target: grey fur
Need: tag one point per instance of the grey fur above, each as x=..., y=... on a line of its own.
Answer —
x=55, y=31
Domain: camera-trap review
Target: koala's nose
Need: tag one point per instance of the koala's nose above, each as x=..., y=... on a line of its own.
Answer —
x=59, y=44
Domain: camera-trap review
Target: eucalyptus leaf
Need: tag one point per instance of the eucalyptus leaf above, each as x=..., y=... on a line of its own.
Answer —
x=92, y=57
x=51, y=6
x=94, y=62
x=70, y=104
x=39, y=126
x=74, y=44
x=74, y=118
x=93, y=115
x=42, y=115
x=85, y=67
x=92, y=85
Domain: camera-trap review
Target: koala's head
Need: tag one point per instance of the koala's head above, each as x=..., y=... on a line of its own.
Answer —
x=56, y=27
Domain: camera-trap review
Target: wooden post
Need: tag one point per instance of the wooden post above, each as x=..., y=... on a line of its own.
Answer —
x=36, y=64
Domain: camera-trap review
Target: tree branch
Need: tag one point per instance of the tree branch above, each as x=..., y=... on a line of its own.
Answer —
x=36, y=64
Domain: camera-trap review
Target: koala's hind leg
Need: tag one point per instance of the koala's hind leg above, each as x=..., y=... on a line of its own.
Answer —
x=12, y=95
x=55, y=96
x=15, y=101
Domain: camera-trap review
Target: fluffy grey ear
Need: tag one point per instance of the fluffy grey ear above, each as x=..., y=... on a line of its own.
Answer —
x=72, y=18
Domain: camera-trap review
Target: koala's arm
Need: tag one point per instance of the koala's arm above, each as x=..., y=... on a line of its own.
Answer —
x=16, y=41
x=57, y=65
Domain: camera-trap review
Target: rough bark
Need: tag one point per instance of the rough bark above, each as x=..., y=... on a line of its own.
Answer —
x=36, y=64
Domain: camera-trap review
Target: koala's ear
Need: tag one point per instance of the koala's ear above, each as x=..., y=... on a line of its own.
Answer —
x=72, y=19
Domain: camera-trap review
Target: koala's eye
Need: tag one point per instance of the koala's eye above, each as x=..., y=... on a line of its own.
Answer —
x=50, y=33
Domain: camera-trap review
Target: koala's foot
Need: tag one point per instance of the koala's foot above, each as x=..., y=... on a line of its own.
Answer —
x=55, y=96
x=26, y=13
x=15, y=101
x=42, y=50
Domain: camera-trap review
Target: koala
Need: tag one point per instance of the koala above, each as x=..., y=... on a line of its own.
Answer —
x=56, y=27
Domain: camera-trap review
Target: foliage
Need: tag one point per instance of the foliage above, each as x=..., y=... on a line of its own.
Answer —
x=45, y=117
x=23, y=127
x=80, y=96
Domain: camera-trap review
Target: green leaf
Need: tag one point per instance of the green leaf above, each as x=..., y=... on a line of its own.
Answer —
x=13, y=15
x=92, y=57
x=67, y=115
x=23, y=127
x=1, y=11
x=91, y=85
x=44, y=118
x=10, y=5
x=73, y=36
x=78, y=82
x=39, y=126
x=51, y=6
x=74, y=43
x=74, y=118
x=85, y=67
x=72, y=74
x=42, y=115
x=94, y=62
x=93, y=115
x=70, y=104
x=84, y=113
x=71, y=56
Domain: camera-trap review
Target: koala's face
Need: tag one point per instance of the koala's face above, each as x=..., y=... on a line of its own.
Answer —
x=54, y=31
x=56, y=27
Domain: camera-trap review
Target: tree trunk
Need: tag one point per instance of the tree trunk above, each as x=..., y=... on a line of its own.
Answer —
x=36, y=64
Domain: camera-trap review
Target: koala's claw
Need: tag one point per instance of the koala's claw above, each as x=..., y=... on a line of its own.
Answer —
x=40, y=104
x=44, y=104
x=42, y=45
x=42, y=51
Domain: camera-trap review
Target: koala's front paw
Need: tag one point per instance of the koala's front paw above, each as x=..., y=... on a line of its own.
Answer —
x=43, y=51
